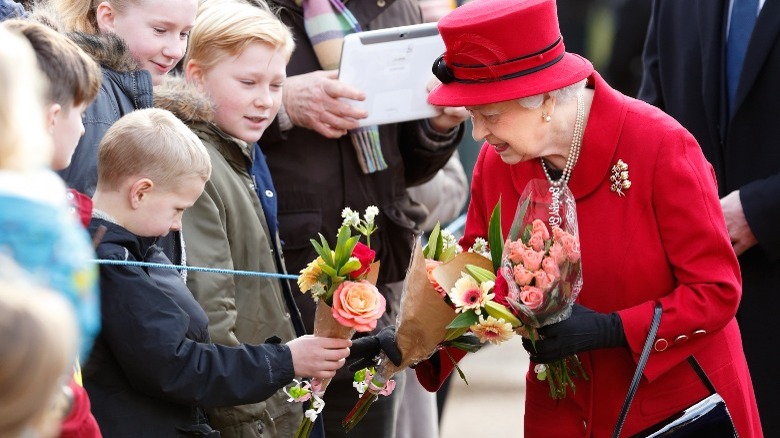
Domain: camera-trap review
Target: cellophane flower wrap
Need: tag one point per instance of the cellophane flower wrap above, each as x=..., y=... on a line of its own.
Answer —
x=436, y=313
x=343, y=282
x=541, y=271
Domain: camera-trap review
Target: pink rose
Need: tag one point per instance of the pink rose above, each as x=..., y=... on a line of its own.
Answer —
x=538, y=226
x=366, y=256
x=358, y=304
x=522, y=276
x=515, y=250
x=543, y=280
x=571, y=247
x=532, y=260
x=430, y=265
x=557, y=253
x=558, y=234
x=536, y=242
x=532, y=297
x=550, y=266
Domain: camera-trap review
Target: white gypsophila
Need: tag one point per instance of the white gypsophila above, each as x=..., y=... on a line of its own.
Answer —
x=351, y=218
x=540, y=368
x=371, y=212
x=360, y=387
x=318, y=290
x=480, y=246
x=449, y=241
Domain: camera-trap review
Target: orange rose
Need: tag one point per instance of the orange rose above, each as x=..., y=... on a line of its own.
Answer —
x=550, y=266
x=430, y=265
x=358, y=304
x=515, y=250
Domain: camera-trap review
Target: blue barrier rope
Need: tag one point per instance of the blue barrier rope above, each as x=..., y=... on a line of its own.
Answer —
x=194, y=268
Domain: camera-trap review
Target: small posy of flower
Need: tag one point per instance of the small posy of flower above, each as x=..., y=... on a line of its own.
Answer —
x=299, y=392
x=310, y=275
x=318, y=291
x=469, y=294
x=492, y=330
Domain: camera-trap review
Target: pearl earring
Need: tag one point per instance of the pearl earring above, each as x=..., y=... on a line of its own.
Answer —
x=546, y=117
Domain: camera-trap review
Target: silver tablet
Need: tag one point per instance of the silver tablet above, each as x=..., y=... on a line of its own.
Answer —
x=392, y=67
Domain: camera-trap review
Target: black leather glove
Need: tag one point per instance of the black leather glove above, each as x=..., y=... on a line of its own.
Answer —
x=584, y=330
x=365, y=349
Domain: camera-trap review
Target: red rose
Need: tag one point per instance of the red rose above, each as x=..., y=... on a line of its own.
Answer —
x=365, y=256
x=501, y=290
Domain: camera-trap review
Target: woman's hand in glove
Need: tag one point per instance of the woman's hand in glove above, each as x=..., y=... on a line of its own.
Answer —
x=584, y=330
x=365, y=349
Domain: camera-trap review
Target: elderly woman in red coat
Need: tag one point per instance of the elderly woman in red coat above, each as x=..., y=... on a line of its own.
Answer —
x=658, y=236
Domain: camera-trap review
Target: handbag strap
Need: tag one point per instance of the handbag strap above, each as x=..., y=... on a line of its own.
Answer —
x=702, y=375
x=640, y=368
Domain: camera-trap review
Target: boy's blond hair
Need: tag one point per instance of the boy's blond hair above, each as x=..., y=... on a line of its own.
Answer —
x=150, y=143
x=38, y=339
x=74, y=77
x=24, y=143
x=227, y=27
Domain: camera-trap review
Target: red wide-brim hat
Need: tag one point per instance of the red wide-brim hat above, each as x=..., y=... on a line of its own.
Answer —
x=498, y=50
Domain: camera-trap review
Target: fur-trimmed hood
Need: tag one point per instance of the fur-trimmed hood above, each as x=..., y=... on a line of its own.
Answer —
x=184, y=100
x=108, y=50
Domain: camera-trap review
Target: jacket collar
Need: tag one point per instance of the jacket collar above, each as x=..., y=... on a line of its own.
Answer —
x=763, y=38
x=599, y=142
x=118, y=235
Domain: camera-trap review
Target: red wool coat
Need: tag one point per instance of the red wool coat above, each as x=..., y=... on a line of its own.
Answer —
x=664, y=241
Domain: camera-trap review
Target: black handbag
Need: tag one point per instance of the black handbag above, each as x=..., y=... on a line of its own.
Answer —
x=707, y=418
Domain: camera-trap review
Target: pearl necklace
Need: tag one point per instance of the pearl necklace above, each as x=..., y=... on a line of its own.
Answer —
x=576, y=144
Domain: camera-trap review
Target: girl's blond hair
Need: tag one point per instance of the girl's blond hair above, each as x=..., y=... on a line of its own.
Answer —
x=38, y=338
x=81, y=16
x=227, y=27
x=150, y=143
x=24, y=143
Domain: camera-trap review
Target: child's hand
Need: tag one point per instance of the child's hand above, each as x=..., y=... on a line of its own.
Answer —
x=318, y=357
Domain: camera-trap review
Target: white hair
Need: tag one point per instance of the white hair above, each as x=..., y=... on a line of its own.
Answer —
x=561, y=95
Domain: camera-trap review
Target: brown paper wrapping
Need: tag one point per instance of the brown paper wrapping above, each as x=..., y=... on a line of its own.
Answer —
x=326, y=326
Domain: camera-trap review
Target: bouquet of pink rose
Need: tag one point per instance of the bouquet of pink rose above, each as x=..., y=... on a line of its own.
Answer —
x=342, y=281
x=540, y=274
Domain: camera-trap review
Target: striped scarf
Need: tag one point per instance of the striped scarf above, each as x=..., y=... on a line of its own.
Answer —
x=326, y=23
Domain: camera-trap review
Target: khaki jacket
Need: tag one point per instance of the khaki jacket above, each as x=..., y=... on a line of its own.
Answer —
x=226, y=228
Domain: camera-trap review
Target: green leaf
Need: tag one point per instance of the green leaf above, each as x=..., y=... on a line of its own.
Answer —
x=328, y=270
x=467, y=342
x=457, y=368
x=480, y=274
x=448, y=254
x=350, y=266
x=430, y=248
x=495, y=236
x=454, y=333
x=341, y=241
x=515, y=230
x=465, y=319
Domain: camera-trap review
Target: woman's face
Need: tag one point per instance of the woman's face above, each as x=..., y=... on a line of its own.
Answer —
x=515, y=133
x=155, y=32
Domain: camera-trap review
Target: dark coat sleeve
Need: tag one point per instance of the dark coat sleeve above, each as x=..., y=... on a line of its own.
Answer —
x=650, y=89
x=424, y=151
x=145, y=330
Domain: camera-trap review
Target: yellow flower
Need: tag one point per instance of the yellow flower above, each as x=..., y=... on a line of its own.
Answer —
x=469, y=294
x=310, y=275
x=492, y=330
